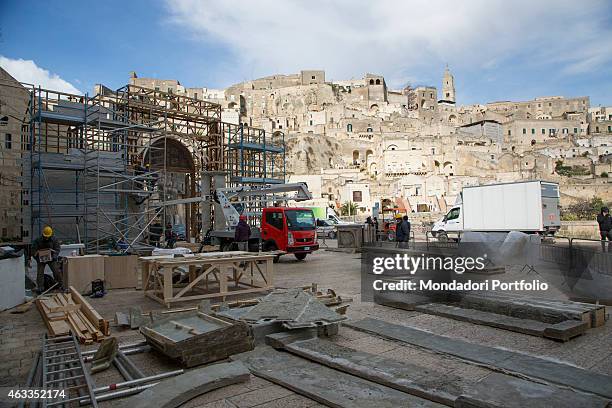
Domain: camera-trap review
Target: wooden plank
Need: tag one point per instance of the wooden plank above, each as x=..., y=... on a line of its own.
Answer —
x=98, y=321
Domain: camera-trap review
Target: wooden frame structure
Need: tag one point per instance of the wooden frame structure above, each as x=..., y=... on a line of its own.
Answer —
x=209, y=275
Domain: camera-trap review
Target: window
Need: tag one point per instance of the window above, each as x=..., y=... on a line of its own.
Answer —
x=565, y=131
x=369, y=130
x=453, y=214
x=551, y=131
x=575, y=130
x=378, y=82
x=349, y=127
x=275, y=219
x=533, y=131
x=311, y=123
x=357, y=196
x=313, y=77
x=543, y=131
x=524, y=131
x=509, y=132
x=597, y=129
x=195, y=95
x=157, y=88
x=8, y=141
x=609, y=129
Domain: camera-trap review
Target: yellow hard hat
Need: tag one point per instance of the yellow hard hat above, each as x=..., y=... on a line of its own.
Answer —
x=398, y=216
x=47, y=232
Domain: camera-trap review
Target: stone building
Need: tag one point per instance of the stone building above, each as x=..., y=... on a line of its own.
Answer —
x=360, y=132
x=14, y=138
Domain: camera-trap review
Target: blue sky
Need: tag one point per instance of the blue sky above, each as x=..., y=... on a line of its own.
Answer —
x=497, y=50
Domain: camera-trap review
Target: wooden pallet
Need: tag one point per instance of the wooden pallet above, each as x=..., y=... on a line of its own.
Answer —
x=65, y=312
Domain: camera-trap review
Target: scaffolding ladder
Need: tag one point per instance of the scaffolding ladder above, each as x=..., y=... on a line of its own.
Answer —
x=63, y=369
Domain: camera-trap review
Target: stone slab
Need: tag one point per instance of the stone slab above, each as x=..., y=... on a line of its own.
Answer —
x=566, y=330
x=500, y=390
x=495, y=390
x=413, y=379
x=500, y=359
x=563, y=331
x=323, y=384
x=175, y=391
x=526, y=326
x=294, y=308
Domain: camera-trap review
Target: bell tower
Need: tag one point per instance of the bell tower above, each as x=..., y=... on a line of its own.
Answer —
x=448, y=86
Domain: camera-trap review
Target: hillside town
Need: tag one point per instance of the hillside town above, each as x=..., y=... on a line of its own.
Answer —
x=359, y=141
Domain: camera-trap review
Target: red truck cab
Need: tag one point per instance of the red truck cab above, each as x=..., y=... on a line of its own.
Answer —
x=289, y=229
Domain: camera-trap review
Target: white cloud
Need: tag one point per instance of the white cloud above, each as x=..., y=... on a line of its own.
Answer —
x=27, y=71
x=400, y=38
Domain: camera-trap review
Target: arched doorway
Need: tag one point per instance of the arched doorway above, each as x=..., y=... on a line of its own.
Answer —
x=173, y=176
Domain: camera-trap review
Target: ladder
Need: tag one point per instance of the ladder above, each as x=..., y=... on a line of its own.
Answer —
x=63, y=369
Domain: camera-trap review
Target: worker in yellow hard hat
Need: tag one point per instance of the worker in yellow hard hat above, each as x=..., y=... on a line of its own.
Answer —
x=45, y=250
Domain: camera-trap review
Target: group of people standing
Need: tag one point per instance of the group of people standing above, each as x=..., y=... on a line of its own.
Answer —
x=402, y=229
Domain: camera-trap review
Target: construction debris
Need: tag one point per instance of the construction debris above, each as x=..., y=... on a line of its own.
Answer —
x=175, y=391
x=294, y=308
x=64, y=313
x=104, y=355
x=195, y=338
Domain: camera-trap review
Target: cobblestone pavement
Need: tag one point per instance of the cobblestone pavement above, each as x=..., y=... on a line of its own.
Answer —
x=20, y=337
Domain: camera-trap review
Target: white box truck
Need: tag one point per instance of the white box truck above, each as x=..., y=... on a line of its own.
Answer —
x=526, y=206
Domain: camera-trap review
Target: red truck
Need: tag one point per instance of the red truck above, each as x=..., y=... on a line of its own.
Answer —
x=292, y=230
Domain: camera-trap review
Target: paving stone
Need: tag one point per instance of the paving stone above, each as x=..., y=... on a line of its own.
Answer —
x=548, y=370
x=290, y=401
x=259, y=396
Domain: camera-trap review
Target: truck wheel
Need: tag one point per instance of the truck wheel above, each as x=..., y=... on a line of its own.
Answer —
x=442, y=236
x=332, y=235
x=300, y=257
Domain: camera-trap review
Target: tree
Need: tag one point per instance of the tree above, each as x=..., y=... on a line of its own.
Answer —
x=583, y=209
x=348, y=208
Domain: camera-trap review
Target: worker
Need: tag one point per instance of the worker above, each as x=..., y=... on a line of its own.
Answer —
x=403, y=232
x=242, y=233
x=45, y=250
x=155, y=232
x=371, y=232
x=604, y=219
x=375, y=222
x=170, y=236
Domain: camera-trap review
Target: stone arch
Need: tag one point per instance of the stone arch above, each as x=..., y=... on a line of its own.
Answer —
x=373, y=168
x=371, y=82
x=232, y=105
x=378, y=82
x=178, y=157
x=533, y=142
x=355, y=156
x=448, y=168
x=368, y=156
x=392, y=147
x=452, y=118
x=374, y=107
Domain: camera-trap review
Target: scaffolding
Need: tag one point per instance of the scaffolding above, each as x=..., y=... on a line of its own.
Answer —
x=105, y=170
